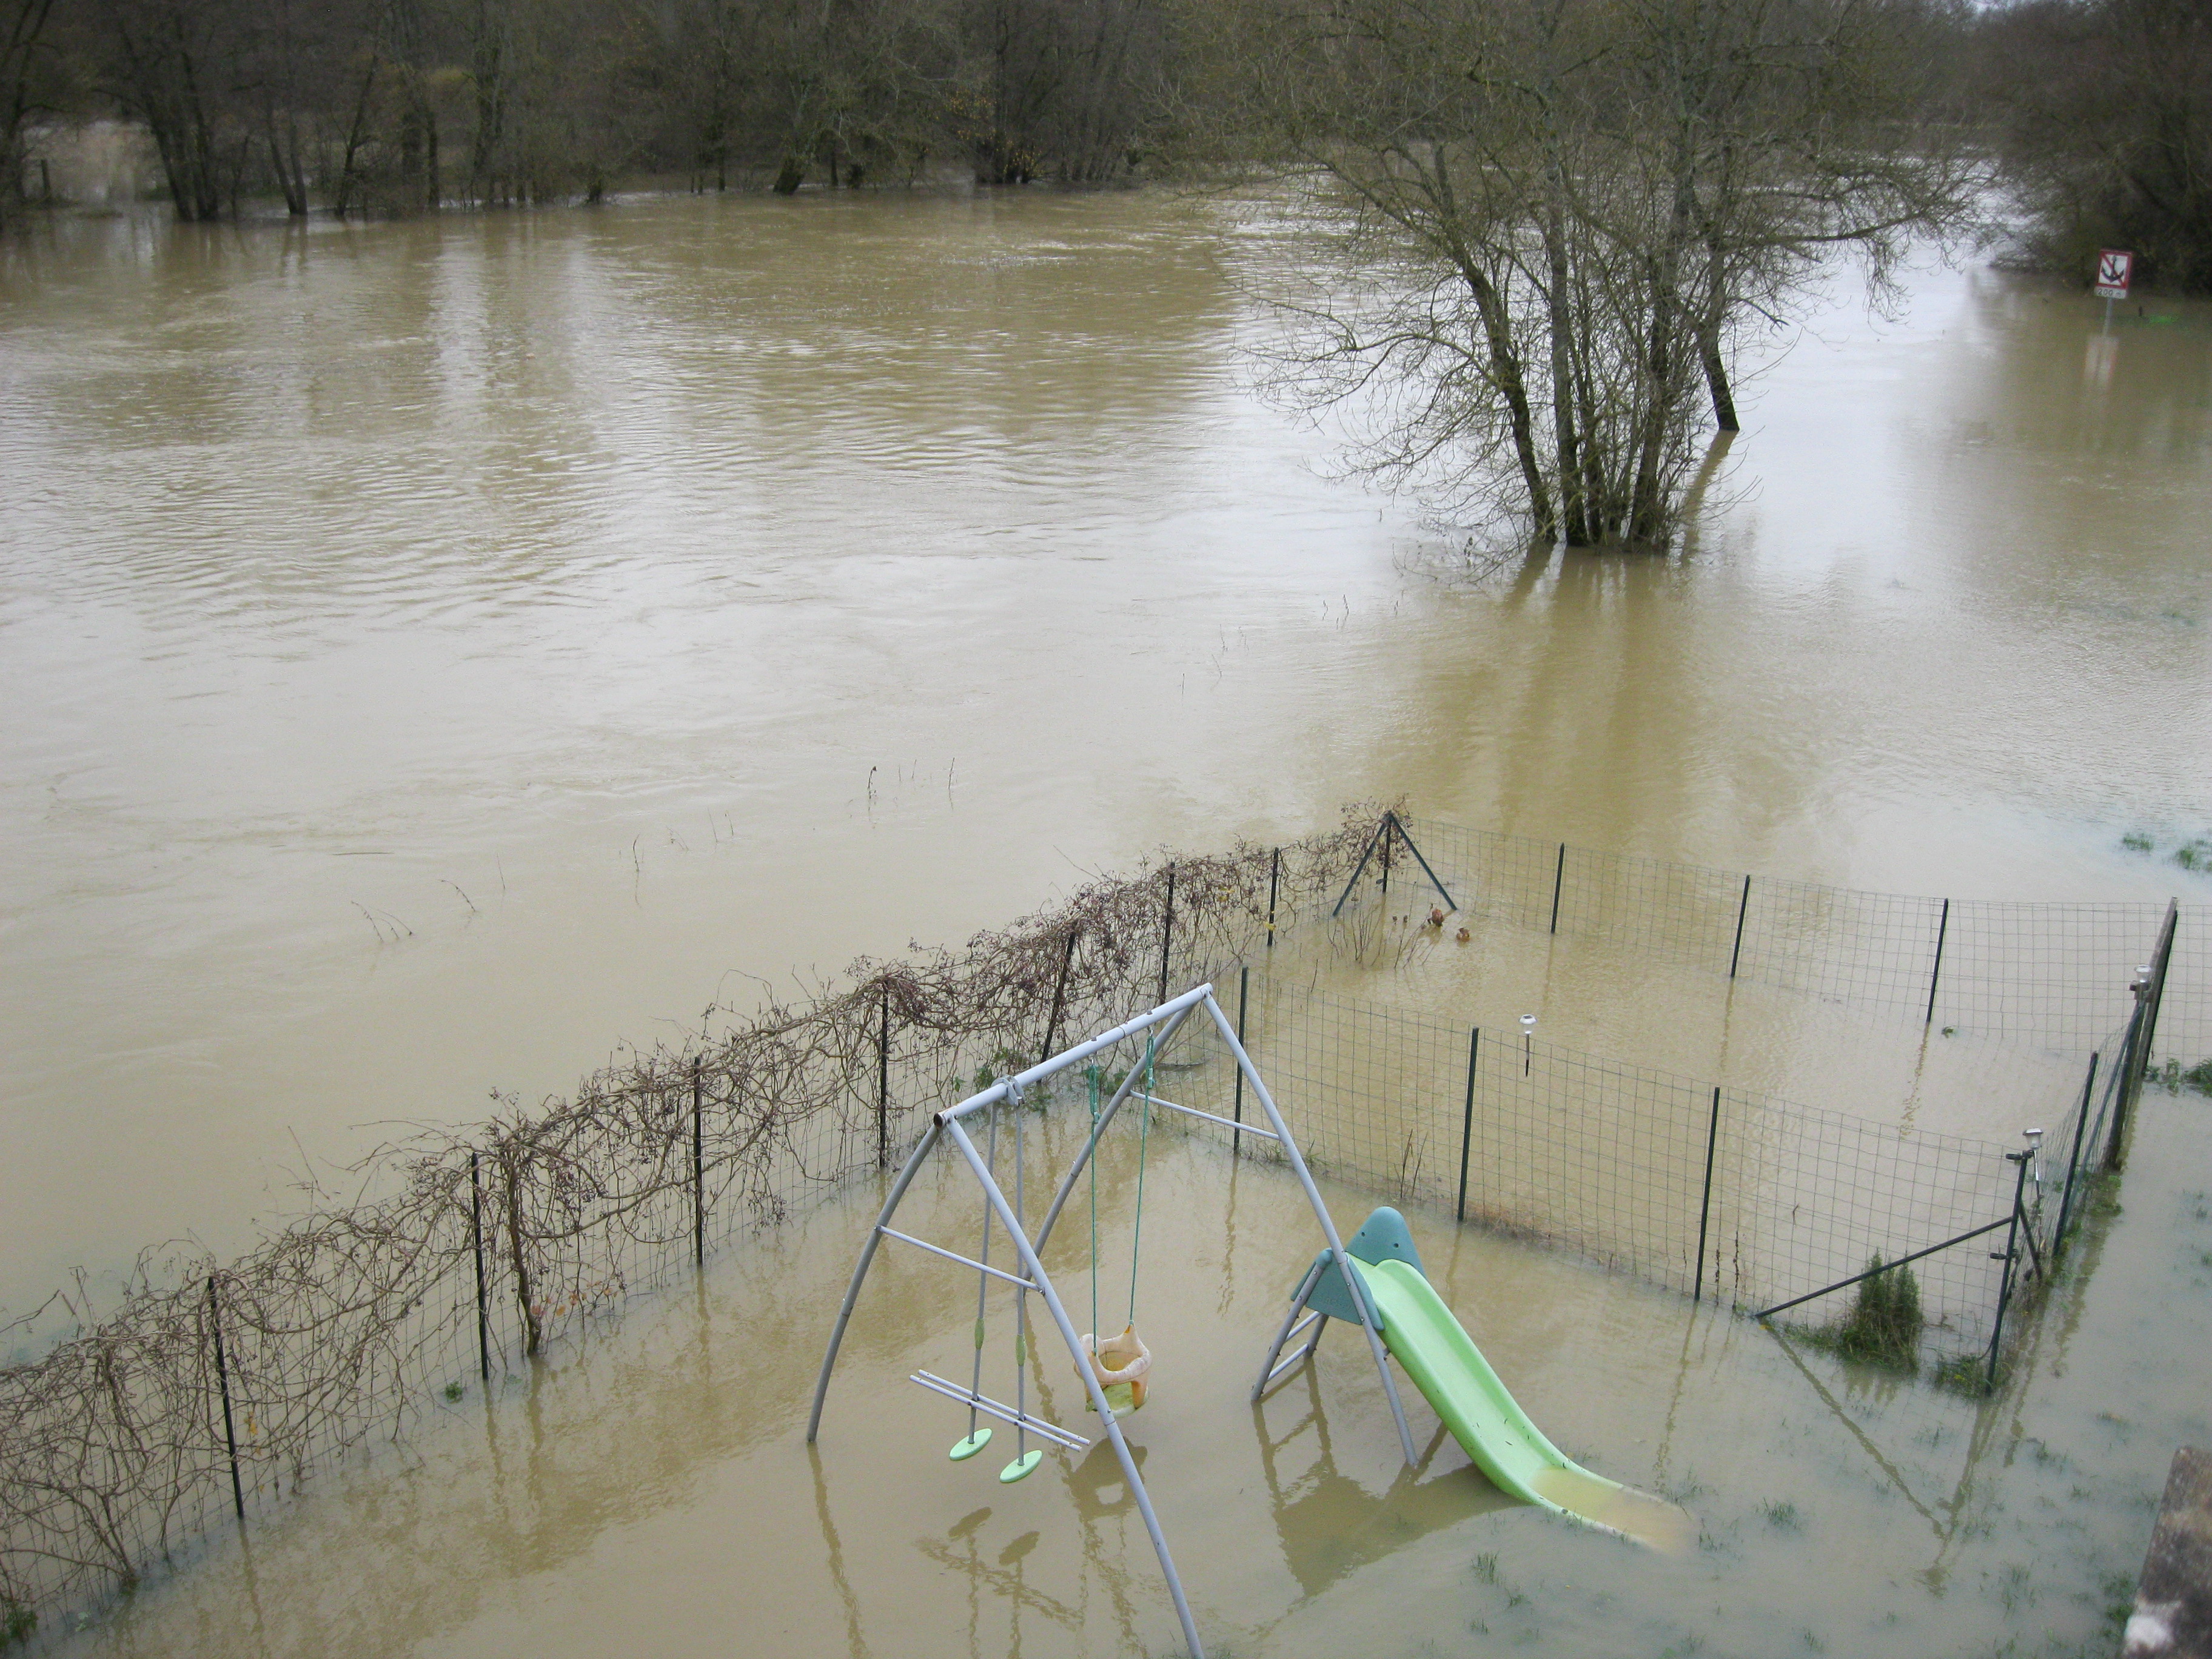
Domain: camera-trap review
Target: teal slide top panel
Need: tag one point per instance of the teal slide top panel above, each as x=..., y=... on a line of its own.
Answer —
x=1384, y=1236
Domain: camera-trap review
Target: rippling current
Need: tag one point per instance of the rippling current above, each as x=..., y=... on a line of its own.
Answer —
x=436, y=653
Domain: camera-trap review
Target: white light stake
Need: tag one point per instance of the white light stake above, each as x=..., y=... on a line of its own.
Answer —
x=1527, y=1041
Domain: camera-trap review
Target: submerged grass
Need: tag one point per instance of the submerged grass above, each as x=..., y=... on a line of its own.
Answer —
x=1883, y=1327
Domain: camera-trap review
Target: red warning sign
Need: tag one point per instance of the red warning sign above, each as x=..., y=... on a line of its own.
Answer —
x=2115, y=270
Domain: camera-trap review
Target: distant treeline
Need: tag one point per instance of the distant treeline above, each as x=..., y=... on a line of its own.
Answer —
x=2098, y=113
x=2101, y=112
x=391, y=106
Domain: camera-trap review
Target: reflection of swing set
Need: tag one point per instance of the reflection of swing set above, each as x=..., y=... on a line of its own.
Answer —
x=1113, y=1369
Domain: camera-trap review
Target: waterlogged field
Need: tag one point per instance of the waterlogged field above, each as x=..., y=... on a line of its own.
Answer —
x=658, y=1481
x=438, y=653
x=442, y=652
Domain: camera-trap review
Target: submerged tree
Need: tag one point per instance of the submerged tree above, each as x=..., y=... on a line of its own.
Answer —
x=2104, y=115
x=1555, y=211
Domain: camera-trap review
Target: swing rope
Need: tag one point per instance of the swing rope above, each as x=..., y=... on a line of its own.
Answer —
x=1143, y=1140
x=1091, y=1072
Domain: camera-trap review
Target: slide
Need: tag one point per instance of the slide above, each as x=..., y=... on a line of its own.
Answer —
x=1428, y=1340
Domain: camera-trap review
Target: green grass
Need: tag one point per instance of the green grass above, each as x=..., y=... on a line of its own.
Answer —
x=17, y=1622
x=1883, y=1327
x=2196, y=1078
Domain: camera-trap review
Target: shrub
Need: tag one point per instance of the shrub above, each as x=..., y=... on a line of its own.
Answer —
x=1884, y=1325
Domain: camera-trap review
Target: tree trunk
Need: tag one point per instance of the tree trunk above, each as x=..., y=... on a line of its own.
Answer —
x=1647, y=511
x=1709, y=339
x=1505, y=374
x=356, y=136
x=1566, y=435
x=1716, y=379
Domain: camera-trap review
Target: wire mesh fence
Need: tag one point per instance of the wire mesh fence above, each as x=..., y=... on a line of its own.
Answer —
x=209, y=1388
x=2056, y=973
x=1704, y=1190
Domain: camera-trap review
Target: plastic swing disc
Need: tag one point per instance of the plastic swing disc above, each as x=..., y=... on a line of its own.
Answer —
x=964, y=1450
x=1020, y=1467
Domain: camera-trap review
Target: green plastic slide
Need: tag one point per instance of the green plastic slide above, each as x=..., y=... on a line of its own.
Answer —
x=1428, y=1340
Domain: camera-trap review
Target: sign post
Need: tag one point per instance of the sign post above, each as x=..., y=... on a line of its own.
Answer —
x=2115, y=268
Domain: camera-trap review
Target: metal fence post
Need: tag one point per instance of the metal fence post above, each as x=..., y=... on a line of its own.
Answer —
x=1742, y=909
x=1558, y=876
x=1467, y=1117
x=1706, y=1203
x=1167, y=933
x=1059, y=993
x=1390, y=829
x=2073, y=1164
x=698, y=1170
x=2113, y=1151
x=2010, y=1254
x=475, y=1248
x=222, y=1382
x=2135, y=1055
x=1244, y=996
x=884, y=1078
x=1274, y=876
x=1935, y=974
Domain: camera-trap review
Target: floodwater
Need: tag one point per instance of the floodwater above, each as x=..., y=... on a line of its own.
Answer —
x=437, y=654
x=655, y=1489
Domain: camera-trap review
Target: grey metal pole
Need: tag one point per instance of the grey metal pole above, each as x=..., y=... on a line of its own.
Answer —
x=1706, y=1203
x=1935, y=974
x=1106, y=1115
x=1328, y=1226
x=1559, y=879
x=222, y=1382
x=475, y=1242
x=1034, y=1268
x=860, y=1270
x=1742, y=909
x=1467, y=1119
x=1298, y=1306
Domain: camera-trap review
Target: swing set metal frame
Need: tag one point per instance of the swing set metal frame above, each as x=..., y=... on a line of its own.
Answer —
x=1161, y=1024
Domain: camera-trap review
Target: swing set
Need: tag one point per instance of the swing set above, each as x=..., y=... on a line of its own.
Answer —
x=1114, y=1368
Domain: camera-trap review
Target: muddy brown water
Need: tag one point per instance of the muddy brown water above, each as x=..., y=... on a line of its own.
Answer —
x=653, y=1491
x=439, y=653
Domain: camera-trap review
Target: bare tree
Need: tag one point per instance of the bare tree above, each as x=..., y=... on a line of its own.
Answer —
x=1556, y=209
